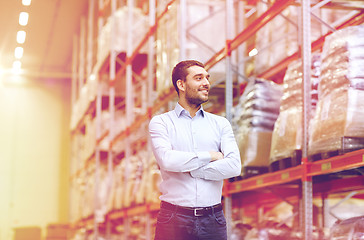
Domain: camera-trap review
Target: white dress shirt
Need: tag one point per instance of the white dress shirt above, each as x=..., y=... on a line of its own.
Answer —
x=181, y=145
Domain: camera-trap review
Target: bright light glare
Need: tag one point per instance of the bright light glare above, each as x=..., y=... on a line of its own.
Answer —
x=23, y=18
x=16, y=67
x=253, y=52
x=92, y=77
x=18, y=52
x=26, y=2
x=20, y=37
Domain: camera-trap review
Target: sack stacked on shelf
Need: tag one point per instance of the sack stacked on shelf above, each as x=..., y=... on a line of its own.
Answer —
x=340, y=111
x=255, y=116
x=287, y=134
x=352, y=228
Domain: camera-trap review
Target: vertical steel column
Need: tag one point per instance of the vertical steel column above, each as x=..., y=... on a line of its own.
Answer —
x=150, y=93
x=112, y=74
x=129, y=101
x=306, y=81
x=74, y=139
x=325, y=211
x=229, y=76
x=182, y=29
x=228, y=94
x=241, y=49
x=90, y=32
x=74, y=71
x=97, y=161
x=81, y=57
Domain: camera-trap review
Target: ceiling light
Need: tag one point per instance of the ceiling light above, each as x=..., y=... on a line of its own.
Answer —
x=19, y=52
x=2, y=72
x=26, y=2
x=16, y=67
x=20, y=37
x=23, y=18
x=253, y=52
x=92, y=77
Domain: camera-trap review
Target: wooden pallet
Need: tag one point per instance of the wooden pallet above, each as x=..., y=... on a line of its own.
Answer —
x=348, y=144
x=251, y=171
x=288, y=162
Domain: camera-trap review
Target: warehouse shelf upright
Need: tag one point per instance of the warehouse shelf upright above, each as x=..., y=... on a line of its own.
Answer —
x=294, y=183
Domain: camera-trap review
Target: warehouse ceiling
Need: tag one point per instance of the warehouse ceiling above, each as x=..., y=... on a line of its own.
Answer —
x=49, y=40
x=49, y=35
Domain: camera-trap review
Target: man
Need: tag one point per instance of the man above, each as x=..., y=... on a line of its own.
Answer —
x=195, y=151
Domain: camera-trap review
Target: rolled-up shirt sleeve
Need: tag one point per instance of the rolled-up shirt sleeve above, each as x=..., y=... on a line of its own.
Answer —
x=230, y=165
x=170, y=159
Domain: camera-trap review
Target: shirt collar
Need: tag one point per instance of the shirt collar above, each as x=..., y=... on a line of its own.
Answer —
x=179, y=109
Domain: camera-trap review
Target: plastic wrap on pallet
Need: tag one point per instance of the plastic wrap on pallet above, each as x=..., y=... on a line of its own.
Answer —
x=350, y=229
x=153, y=179
x=287, y=134
x=343, y=60
x=254, y=148
x=140, y=29
x=339, y=114
x=119, y=183
x=254, y=119
x=103, y=194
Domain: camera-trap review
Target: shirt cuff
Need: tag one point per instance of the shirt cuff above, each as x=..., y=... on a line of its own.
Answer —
x=204, y=158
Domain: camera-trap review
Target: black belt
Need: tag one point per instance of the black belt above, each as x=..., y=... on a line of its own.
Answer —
x=192, y=211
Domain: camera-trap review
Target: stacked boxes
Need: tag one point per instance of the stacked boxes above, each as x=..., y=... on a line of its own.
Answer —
x=57, y=231
x=339, y=121
x=255, y=117
x=287, y=135
x=27, y=233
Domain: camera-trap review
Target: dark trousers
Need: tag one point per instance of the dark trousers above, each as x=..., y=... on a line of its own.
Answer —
x=173, y=225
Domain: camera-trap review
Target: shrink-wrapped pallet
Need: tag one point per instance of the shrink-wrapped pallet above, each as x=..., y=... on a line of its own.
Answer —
x=343, y=61
x=287, y=134
x=154, y=179
x=338, y=124
x=119, y=185
x=254, y=120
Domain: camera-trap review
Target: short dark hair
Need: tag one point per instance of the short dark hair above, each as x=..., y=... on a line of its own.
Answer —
x=180, y=71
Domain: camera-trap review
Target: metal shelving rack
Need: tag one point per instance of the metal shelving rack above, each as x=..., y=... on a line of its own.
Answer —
x=230, y=53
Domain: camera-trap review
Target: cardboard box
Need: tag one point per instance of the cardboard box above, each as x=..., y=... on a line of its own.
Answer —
x=57, y=230
x=27, y=233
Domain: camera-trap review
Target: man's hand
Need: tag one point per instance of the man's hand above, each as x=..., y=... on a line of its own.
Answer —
x=216, y=156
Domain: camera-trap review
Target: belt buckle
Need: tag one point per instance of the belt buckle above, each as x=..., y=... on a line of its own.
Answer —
x=195, y=212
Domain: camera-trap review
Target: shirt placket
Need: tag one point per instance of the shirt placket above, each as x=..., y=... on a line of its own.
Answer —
x=194, y=134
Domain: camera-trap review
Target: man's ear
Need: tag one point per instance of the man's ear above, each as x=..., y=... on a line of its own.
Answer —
x=181, y=85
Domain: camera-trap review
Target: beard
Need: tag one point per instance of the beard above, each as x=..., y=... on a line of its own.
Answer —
x=193, y=97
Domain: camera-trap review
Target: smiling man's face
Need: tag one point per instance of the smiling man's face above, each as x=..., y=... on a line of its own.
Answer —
x=197, y=85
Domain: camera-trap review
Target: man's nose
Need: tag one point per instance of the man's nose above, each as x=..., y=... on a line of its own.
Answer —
x=206, y=81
